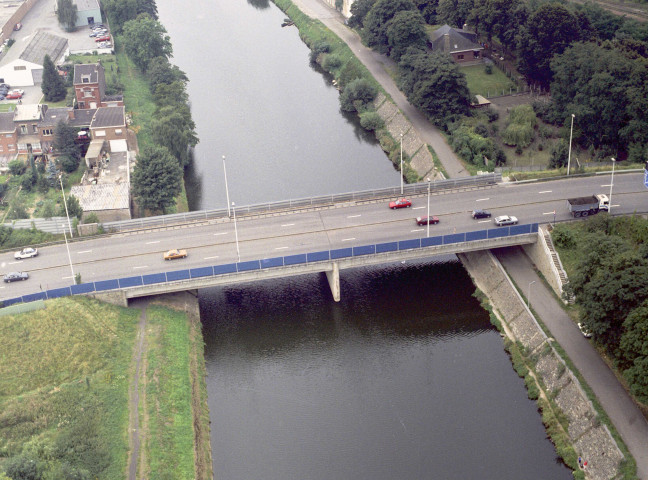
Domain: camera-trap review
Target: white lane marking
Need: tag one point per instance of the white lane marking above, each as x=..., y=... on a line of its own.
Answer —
x=615, y=205
x=417, y=208
x=482, y=199
x=417, y=230
x=287, y=224
x=484, y=221
x=548, y=213
x=66, y=278
x=605, y=185
x=281, y=248
x=14, y=263
x=151, y=243
x=209, y=258
x=145, y=266
x=347, y=239
x=222, y=233
x=86, y=251
x=353, y=216
x=545, y=191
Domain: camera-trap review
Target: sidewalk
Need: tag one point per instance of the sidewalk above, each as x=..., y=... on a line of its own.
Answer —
x=622, y=411
x=380, y=66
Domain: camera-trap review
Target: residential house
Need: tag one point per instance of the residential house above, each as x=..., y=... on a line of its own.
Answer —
x=462, y=45
x=88, y=12
x=26, y=120
x=90, y=87
x=109, y=123
x=8, y=140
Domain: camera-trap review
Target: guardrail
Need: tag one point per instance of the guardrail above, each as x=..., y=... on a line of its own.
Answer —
x=275, y=262
x=302, y=203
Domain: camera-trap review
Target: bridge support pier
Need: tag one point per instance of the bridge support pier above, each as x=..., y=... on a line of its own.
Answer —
x=333, y=277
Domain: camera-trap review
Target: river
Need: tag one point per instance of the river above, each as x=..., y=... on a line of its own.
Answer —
x=404, y=378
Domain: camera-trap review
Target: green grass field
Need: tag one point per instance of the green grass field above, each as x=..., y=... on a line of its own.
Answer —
x=481, y=83
x=64, y=375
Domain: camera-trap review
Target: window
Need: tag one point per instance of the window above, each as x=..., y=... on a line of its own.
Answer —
x=118, y=131
x=87, y=93
x=10, y=147
x=48, y=131
x=81, y=104
x=85, y=79
x=23, y=129
x=460, y=57
x=20, y=67
x=36, y=146
x=100, y=133
x=22, y=146
x=1, y=148
x=34, y=128
x=9, y=135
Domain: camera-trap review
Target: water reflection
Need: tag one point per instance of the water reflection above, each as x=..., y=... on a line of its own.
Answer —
x=260, y=4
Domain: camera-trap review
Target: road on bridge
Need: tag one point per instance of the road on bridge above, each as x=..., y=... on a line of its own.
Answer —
x=380, y=67
x=214, y=242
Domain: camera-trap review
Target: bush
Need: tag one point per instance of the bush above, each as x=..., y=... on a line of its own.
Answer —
x=92, y=218
x=24, y=468
x=357, y=95
x=69, y=163
x=520, y=128
x=563, y=238
x=492, y=115
x=331, y=62
x=488, y=69
x=17, y=168
x=48, y=210
x=480, y=129
x=371, y=121
x=317, y=48
x=28, y=180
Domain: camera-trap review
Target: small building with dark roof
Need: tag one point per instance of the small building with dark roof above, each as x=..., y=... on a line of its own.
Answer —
x=88, y=12
x=462, y=45
x=109, y=123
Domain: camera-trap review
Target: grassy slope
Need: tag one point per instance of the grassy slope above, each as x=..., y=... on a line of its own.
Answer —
x=64, y=374
x=481, y=83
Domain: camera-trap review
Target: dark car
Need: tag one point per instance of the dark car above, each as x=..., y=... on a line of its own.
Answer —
x=15, y=276
x=425, y=220
x=400, y=203
x=480, y=214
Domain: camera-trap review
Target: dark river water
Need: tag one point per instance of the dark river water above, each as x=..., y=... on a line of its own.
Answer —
x=405, y=378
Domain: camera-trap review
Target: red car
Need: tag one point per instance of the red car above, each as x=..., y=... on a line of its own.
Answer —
x=424, y=220
x=103, y=38
x=14, y=95
x=400, y=203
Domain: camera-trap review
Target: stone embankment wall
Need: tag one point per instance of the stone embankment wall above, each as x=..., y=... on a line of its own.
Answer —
x=396, y=124
x=590, y=438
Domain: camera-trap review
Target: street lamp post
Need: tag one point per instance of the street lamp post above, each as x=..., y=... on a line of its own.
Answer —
x=428, y=211
x=70, y=227
x=401, y=162
x=529, y=293
x=226, y=189
x=238, y=253
x=571, y=131
x=611, y=185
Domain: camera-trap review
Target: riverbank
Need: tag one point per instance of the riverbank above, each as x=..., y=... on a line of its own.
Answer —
x=573, y=422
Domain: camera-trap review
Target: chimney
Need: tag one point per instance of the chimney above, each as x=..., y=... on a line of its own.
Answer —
x=446, y=42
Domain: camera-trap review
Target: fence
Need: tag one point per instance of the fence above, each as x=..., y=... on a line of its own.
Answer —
x=276, y=262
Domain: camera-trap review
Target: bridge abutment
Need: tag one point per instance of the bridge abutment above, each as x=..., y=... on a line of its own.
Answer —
x=333, y=277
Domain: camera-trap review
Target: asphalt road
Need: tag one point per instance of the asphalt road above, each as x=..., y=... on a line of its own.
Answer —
x=274, y=235
x=624, y=414
x=380, y=67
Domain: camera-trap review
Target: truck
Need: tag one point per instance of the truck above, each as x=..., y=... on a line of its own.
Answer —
x=584, y=206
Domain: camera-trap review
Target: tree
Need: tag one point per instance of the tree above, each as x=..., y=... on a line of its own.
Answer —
x=171, y=94
x=356, y=95
x=175, y=131
x=53, y=86
x=161, y=71
x=145, y=39
x=64, y=137
x=406, y=29
x=377, y=19
x=454, y=12
x=634, y=351
x=156, y=179
x=24, y=468
x=548, y=32
x=434, y=84
x=559, y=155
x=73, y=208
x=498, y=18
x=359, y=10
x=67, y=14
x=149, y=7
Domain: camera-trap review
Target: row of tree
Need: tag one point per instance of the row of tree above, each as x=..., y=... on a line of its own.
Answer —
x=158, y=174
x=611, y=287
x=594, y=62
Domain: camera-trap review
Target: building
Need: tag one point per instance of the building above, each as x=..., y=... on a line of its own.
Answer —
x=110, y=202
x=463, y=46
x=90, y=87
x=109, y=123
x=27, y=70
x=88, y=12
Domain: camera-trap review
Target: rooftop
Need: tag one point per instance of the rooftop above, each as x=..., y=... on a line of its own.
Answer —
x=109, y=117
x=27, y=113
x=43, y=44
x=103, y=196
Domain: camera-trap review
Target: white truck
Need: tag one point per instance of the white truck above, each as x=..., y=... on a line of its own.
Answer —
x=584, y=206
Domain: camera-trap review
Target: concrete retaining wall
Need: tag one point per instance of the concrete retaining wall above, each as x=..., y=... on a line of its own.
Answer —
x=590, y=438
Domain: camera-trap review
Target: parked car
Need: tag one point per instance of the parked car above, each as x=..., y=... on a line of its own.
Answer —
x=505, y=220
x=5, y=85
x=400, y=203
x=175, y=253
x=15, y=276
x=586, y=333
x=104, y=38
x=17, y=90
x=17, y=26
x=425, y=220
x=480, y=214
x=13, y=95
x=28, y=252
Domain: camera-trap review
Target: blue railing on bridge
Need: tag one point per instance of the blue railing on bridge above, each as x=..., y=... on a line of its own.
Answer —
x=322, y=256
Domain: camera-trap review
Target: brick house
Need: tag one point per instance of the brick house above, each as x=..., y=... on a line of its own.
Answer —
x=8, y=139
x=462, y=45
x=90, y=87
x=109, y=123
x=26, y=120
x=51, y=116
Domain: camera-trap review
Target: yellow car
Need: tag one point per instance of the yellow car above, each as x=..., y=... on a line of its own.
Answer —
x=175, y=253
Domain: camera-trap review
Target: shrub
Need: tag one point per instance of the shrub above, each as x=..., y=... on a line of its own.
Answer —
x=24, y=468
x=331, y=62
x=520, y=128
x=92, y=218
x=69, y=163
x=488, y=69
x=357, y=95
x=371, y=121
x=319, y=47
x=491, y=114
x=480, y=129
x=28, y=180
x=17, y=168
x=563, y=238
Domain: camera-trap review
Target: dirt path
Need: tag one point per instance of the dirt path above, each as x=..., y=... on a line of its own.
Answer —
x=134, y=392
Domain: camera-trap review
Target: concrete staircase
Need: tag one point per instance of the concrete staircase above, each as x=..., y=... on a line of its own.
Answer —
x=562, y=275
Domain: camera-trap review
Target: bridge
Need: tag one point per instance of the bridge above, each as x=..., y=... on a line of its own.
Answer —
x=326, y=234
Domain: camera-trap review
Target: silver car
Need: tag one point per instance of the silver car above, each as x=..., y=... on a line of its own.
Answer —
x=26, y=253
x=505, y=220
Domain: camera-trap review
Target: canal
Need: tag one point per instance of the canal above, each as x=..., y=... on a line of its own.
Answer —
x=405, y=377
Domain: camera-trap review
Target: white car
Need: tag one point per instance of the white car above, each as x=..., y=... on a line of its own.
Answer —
x=26, y=253
x=505, y=220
